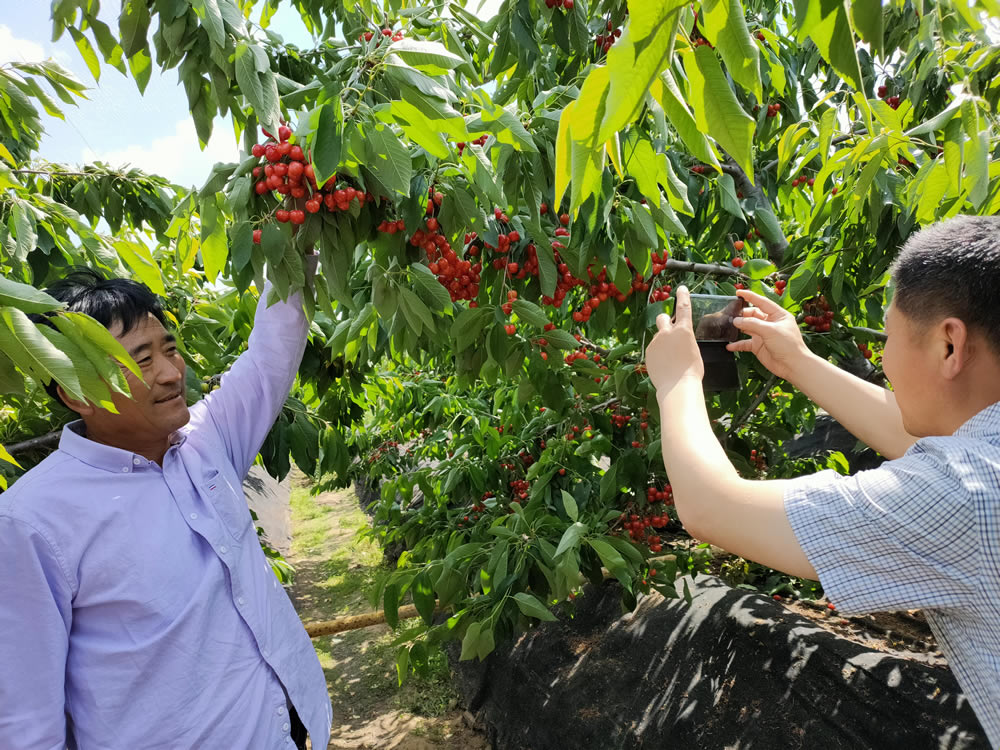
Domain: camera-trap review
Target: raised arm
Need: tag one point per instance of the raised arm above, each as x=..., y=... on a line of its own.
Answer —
x=251, y=394
x=35, y=618
x=868, y=411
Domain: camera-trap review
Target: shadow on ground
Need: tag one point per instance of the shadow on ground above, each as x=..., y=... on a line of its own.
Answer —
x=334, y=569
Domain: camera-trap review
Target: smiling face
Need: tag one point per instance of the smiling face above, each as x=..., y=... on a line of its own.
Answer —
x=158, y=407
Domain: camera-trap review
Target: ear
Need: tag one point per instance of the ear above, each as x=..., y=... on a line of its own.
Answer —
x=958, y=350
x=83, y=408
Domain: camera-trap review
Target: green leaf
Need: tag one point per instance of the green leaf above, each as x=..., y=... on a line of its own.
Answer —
x=414, y=308
x=470, y=643
x=569, y=503
x=727, y=194
x=327, y=140
x=214, y=245
x=23, y=220
x=420, y=53
x=561, y=339
x=140, y=259
x=726, y=28
x=423, y=596
x=635, y=61
x=211, y=20
x=402, y=663
x=486, y=644
x=665, y=91
x=571, y=538
x=390, y=605
x=530, y=313
x=391, y=162
x=87, y=52
x=564, y=153
x=530, y=606
x=103, y=339
x=717, y=111
x=867, y=17
x=611, y=559
x=828, y=24
x=133, y=25
x=34, y=354
x=758, y=268
x=5, y=456
x=468, y=325
x=432, y=289
x=25, y=297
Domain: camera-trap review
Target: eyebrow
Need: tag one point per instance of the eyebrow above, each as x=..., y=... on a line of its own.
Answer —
x=142, y=348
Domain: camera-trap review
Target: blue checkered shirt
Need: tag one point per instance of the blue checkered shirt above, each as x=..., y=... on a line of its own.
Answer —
x=920, y=532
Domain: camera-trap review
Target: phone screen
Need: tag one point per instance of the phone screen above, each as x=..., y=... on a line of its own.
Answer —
x=712, y=316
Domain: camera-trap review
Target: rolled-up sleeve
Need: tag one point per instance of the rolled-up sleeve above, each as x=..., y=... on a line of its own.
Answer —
x=903, y=536
x=35, y=620
x=251, y=394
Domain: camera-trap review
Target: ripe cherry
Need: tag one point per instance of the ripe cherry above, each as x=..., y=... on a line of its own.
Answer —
x=738, y=245
x=543, y=209
x=368, y=36
x=568, y=4
x=281, y=215
x=564, y=219
x=256, y=236
x=297, y=216
x=284, y=132
x=312, y=206
x=296, y=154
x=257, y=150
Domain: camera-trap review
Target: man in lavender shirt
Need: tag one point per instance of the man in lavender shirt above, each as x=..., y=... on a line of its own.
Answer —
x=137, y=609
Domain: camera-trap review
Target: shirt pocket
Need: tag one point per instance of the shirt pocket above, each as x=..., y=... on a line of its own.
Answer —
x=230, y=505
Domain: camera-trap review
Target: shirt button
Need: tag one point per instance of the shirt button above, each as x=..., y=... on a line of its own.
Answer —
x=194, y=516
x=223, y=549
x=137, y=460
x=281, y=711
x=284, y=727
x=124, y=470
x=241, y=601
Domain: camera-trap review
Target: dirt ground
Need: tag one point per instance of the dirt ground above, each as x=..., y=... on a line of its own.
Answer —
x=334, y=569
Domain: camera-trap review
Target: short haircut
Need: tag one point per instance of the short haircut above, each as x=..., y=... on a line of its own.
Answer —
x=106, y=300
x=952, y=269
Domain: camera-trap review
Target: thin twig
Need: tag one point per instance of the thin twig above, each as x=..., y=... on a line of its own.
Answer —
x=738, y=422
x=870, y=332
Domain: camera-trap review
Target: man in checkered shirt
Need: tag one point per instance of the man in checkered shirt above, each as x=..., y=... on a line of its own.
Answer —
x=923, y=530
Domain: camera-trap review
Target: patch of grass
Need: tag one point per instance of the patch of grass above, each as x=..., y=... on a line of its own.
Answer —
x=433, y=695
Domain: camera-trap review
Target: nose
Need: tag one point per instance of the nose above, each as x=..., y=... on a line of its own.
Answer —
x=170, y=371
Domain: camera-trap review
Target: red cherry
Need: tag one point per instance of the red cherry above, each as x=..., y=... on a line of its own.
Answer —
x=261, y=187
x=386, y=32
x=738, y=245
x=568, y=4
x=281, y=215
x=564, y=219
x=284, y=148
x=368, y=36
x=296, y=154
x=257, y=150
x=271, y=153
x=256, y=236
x=297, y=216
x=313, y=205
x=433, y=224
x=284, y=132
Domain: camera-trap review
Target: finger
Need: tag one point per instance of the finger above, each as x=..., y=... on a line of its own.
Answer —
x=743, y=345
x=682, y=307
x=662, y=323
x=754, y=312
x=752, y=326
x=763, y=303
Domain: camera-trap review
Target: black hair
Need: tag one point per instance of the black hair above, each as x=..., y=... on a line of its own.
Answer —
x=106, y=300
x=952, y=269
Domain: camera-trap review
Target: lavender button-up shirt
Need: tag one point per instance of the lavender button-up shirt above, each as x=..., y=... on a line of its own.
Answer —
x=137, y=609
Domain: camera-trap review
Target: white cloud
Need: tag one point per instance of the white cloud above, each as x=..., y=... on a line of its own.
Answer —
x=176, y=157
x=19, y=50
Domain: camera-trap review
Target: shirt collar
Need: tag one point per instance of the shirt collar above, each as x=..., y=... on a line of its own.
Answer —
x=984, y=424
x=74, y=442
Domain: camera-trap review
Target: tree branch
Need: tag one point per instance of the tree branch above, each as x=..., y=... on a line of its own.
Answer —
x=47, y=440
x=738, y=422
x=775, y=248
x=705, y=268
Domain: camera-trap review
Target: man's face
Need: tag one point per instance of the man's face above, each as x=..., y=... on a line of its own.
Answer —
x=158, y=406
x=910, y=363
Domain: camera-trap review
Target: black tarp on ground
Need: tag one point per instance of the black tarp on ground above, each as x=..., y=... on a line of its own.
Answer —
x=735, y=670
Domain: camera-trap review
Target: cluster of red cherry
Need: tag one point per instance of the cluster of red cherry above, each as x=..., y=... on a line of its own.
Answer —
x=605, y=41
x=818, y=314
x=367, y=36
x=475, y=142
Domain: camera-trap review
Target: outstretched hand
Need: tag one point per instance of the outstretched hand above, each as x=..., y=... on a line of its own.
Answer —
x=673, y=356
x=774, y=335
